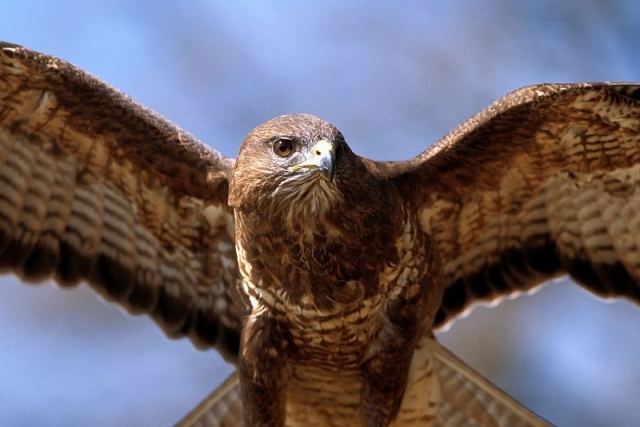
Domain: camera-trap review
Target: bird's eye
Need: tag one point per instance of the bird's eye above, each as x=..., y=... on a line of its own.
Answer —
x=283, y=147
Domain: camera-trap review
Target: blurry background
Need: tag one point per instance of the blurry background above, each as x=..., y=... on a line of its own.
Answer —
x=393, y=79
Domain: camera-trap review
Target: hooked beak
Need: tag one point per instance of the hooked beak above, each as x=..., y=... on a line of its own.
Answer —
x=323, y=156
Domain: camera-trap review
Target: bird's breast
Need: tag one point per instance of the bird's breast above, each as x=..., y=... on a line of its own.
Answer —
x=338, y=340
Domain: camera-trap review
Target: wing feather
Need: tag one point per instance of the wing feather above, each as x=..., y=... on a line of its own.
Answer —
x=469, y=399
x=542, y=183
x=95, y=187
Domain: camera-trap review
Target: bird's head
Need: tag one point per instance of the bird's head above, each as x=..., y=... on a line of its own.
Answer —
x=296, y=160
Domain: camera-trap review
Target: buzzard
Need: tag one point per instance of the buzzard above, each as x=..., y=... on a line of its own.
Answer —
x=320, y=273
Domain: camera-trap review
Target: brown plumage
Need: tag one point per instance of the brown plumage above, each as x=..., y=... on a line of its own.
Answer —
x=343, y=265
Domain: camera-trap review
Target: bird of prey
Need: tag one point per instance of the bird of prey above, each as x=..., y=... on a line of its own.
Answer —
x=320, y=273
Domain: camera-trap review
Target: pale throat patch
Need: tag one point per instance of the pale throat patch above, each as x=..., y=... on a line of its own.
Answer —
x=307, y=194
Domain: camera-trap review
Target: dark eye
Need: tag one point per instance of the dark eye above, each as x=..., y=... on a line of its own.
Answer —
x=283, y=147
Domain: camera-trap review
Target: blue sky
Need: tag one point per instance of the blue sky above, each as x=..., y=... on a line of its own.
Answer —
x=393, y=79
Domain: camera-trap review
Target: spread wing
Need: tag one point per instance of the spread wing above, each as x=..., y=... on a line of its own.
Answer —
x=467, y=399
x=95, y=187
x=542, y=183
